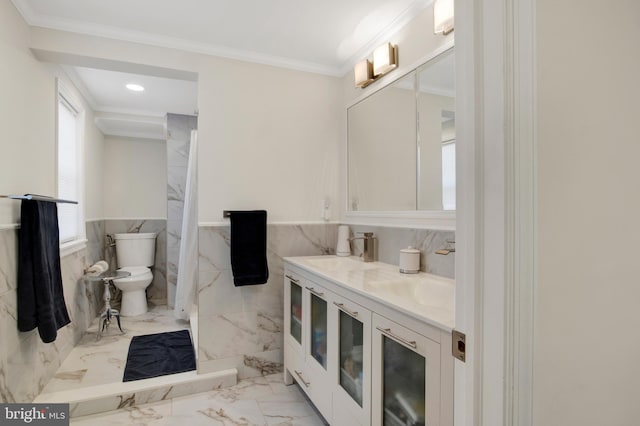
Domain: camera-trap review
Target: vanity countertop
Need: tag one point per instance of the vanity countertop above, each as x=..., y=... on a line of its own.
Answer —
x=426, y=297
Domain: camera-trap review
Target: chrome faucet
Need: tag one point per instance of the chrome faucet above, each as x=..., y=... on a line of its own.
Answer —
x=368, y=238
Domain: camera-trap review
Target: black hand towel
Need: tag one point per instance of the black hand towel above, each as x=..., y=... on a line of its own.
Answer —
x=249, y=247
x=40, y=296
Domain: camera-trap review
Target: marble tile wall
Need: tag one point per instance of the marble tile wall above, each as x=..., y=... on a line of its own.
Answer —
x=157, y=291
x=95, y=252
x=390, y=240
x=178, y=140
x=26, y=363
x=242, y=327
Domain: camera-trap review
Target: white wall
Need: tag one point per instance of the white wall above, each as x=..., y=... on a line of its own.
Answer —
x=587, y=315
x=135, y=178
x=93, y=168
x=27, y=108
x=268, y=137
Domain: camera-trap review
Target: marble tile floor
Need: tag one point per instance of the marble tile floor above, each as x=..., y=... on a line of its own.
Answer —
x=99, y=362
x=256, y=401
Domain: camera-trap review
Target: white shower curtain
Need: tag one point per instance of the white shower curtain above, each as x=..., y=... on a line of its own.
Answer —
x=188, y=261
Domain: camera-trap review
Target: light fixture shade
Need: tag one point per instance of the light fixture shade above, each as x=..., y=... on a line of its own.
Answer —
x=443, y=17
x=384, y=59
x=363, y=72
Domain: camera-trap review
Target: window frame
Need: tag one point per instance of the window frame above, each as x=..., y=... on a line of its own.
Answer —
x=65, y=95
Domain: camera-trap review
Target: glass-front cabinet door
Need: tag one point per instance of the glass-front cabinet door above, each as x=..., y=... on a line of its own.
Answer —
x=294, y=310
x=354, y=360
x=307, y=352
x=318, y=326
x=351, y=365
x=406, y=379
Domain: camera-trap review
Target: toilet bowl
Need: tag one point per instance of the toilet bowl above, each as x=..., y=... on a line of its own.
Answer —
x=135, y=253
x=134, y=297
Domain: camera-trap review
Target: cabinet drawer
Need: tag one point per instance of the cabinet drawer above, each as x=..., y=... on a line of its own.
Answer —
x=316, y=386
x=294, y=363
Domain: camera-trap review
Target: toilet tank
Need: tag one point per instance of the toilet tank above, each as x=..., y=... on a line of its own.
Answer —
x=135, y=249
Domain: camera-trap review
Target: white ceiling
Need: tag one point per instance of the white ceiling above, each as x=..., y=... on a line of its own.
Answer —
x=122, y=112
x=326, y=37
x=107, y=92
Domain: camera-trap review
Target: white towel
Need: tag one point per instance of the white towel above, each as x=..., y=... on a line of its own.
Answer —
x=97, y=268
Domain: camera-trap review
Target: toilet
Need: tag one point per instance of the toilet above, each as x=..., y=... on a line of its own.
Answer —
x=135, y=253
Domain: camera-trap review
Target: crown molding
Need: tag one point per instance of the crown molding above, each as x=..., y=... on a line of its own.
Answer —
x=79, y=84
x=120, y=34
x=25, y=10
x=102, y=118
x=125, y=114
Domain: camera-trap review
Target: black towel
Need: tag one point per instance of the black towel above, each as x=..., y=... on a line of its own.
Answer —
x=249, y=247
x=40, y=296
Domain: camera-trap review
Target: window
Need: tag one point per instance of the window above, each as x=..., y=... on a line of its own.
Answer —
x=70, y=118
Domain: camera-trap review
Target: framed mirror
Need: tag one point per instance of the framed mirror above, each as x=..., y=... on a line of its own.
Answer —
x=435, y=103
x=382, y=149
x=401, y=143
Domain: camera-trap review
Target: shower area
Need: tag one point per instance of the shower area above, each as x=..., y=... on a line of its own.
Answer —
x=173, y=276
x=91, y=377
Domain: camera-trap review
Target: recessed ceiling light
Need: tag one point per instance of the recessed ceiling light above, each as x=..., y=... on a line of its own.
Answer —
x=135, y=87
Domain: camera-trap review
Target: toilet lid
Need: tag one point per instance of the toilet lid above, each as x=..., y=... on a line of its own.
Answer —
x=135, y=270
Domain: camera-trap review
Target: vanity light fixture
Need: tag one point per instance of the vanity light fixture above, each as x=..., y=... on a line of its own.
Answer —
x=135, y=87
x=443, y=17
x=363, y=73
x=385, y=59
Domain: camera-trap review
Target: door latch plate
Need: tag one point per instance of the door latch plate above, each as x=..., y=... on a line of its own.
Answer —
x=458, y=345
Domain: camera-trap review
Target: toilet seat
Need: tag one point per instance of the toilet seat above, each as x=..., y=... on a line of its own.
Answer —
x=137, y=272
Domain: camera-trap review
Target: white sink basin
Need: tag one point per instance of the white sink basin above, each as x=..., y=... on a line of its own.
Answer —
x=424, y=296
x=335, y=263
x=432, y=292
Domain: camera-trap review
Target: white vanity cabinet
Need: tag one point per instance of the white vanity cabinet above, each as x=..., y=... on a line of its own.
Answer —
x=365, y=358
x=306, y=354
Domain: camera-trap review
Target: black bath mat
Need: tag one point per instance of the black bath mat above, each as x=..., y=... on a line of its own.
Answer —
x=154, y=355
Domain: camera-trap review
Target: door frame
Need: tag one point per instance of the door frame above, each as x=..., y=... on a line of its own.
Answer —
x=495, y=230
